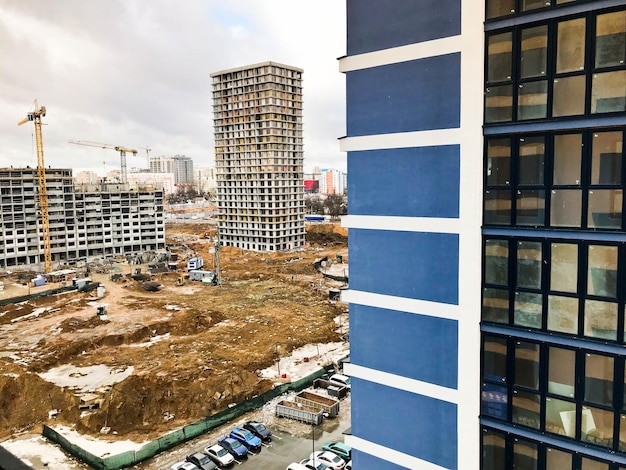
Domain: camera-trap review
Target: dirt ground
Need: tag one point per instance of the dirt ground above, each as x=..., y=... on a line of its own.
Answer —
x=193, y=349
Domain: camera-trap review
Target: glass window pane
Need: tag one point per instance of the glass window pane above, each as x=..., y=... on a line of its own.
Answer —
x=525, y=409
x=499, y=104
x=601, y=319
x=591, y=464
x=534, y=4
x=566, y=208
x=608, y=92
x=527, y=365
x=597, y=427
x=494, y=358
x=499, y=57
x=534, y=51
x=532, y=100
x=561, y=371
x=570, y=52
x=622, y=434
x=494, y=400
x=498, y=207
x=605, y=208
x=527, y=309
x=498, y=162
x=495, y=305
x=599, y=379
x=531, y=160
x=525, y=455
x=558, y=459
x=606, y=161
x=569, y=96
x=560, y=418
x=530, y=207
x=611, y=39
x=497, y=262
x=602, y=272
x=563, y=314
x=497, y=8
x=567, y=158
x=493, y=450
x=529, y=257
x=564, y=267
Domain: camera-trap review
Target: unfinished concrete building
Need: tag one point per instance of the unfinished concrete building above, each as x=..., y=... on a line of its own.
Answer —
x=87, y=222
x=257, y=111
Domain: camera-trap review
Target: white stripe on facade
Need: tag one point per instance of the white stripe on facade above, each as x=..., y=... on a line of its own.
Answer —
x=401, y=304
x=399, y=382
x=432, y=138
x=420, y=50
x=390, y=455
x=401, y=224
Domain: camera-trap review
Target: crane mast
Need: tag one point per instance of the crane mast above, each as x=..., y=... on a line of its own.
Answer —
x=118, y=148
x=35, y=116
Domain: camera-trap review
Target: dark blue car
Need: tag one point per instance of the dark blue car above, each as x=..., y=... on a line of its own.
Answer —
x=234, y=447
x=248, y=439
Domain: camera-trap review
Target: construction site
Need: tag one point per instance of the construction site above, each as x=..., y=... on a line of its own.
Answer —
x=174, y=353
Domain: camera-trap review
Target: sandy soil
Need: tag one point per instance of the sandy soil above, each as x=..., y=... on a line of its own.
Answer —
x=192, y=349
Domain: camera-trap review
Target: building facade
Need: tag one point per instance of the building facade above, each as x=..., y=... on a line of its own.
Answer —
x=86, y=221
x=257, y=113
x=495, y=338
x=179, y=165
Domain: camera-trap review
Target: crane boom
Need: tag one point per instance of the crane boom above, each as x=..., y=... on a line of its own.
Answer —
x=36, y=116
x=122, y=150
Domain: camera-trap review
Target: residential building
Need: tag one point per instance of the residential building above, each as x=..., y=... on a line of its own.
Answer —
x=205, y=179
x=485, y=150
x=180, y=165
x=141, y=179
x=257, y=111
x=85, y=221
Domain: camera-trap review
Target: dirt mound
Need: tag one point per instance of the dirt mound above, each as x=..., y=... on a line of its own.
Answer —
x=326, y=234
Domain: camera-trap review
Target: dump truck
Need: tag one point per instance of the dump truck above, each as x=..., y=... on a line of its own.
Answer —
x=299, y=412
x=330, y=406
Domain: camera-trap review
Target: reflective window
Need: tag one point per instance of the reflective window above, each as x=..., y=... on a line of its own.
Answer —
x=497, y=8
x=597, y=426
x=499, y=162
x=567, y=159
x=527, y=365
x=494, y=401
x=601, y=319
x=606, y=163
x=529, y=263
x=570, y=52
x=533, y=53
x=531, y=160
x=592, y=464
x=599, y=379
x=561, y=417
x=558, y=459
x=498, y=207
x=563, y=314
x=528, y=308
x=565, y=208
x=611, y=39
x=602, y=271
x=532, y=100
x=493, y=450
x=525, y=455
x=525, y=408
x=569, y=96
x=607, y=92
x=499, y=103
x=499, y=57
x=605, y=208
x=564, y=267
x=530, y=207
x=496, y=262
x=494, y=358
x=495, y=305
x=561, y=372
x=534, y=4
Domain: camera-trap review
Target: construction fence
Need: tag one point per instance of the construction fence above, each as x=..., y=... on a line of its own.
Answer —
x=175, y=438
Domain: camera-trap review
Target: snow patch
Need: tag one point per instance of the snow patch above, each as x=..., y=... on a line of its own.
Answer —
x=86, y=378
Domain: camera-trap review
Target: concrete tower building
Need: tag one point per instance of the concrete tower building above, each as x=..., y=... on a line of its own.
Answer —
x=487, y=233
x=257, y=113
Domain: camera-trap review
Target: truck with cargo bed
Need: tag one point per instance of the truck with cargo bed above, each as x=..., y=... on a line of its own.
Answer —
x=299, y=412
x=328, y=405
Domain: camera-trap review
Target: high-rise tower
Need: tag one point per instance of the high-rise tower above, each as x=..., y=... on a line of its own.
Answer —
x=257, y=112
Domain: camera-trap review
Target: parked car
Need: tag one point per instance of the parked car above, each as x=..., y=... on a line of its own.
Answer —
x=219, y=455
x=248, y=439
x=183, y=466
x=296, y=466
x=308, y=464
x=259, y=430
x=330, y=459
x=349, y=465
x=340, y=379
x=342, y=450
x=202, y=461
x=234, y=447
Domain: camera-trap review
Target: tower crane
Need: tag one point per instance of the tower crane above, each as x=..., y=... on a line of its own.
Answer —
x=35, y=116
x=117, y=148
x=147, y=154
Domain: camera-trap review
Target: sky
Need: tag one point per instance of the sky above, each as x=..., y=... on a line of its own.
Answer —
x=135, y=73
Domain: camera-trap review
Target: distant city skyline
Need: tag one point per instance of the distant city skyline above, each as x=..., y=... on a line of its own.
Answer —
x=137, y=75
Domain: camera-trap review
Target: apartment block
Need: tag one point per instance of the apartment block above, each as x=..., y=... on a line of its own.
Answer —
x=486, y=161
x=257, y=111
x=180, y=165
x=85, y=221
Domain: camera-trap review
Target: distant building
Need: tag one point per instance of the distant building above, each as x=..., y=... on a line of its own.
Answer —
x=311, y=186
x=87, y=177
x=257, y=113
x=179, y=165
x=205, y=179
x=164, y=180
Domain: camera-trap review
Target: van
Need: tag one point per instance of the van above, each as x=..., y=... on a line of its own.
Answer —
x=340, y=379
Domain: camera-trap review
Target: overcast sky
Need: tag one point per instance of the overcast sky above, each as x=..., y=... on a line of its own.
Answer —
x=135, y=73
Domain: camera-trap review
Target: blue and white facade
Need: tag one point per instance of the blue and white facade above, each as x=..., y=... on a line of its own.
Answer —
x=414, y=142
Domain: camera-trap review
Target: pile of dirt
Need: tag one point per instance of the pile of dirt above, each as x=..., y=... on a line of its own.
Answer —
x=327, y=234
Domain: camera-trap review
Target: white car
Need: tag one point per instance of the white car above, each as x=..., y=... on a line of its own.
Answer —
x=318, y=465
x=329, y=459
x=340, y=379
x=349, y=465
x=183, y=466
x=296, y=466
x=219, y=455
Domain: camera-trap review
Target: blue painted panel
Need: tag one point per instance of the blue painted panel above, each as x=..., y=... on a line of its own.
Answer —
x=375, y=25
x=365, y=461
x=409, y=96
x=408, y=182
x=405, y=344
x=413, y=424
x=421, y=266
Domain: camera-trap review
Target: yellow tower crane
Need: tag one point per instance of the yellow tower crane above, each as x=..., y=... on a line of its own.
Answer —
x=117, y=148
x=35, y=116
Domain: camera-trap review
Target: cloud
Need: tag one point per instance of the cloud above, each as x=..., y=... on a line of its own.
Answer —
x=136, y=73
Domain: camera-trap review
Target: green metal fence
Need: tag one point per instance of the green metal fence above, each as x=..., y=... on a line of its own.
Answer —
x=175, y=438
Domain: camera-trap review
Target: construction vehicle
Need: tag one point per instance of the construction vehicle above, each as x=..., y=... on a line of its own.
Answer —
x=35, y=116
x=117, y=148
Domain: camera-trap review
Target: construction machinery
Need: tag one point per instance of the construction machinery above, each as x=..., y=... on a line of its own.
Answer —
x=35, y=116
x=117, y=148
